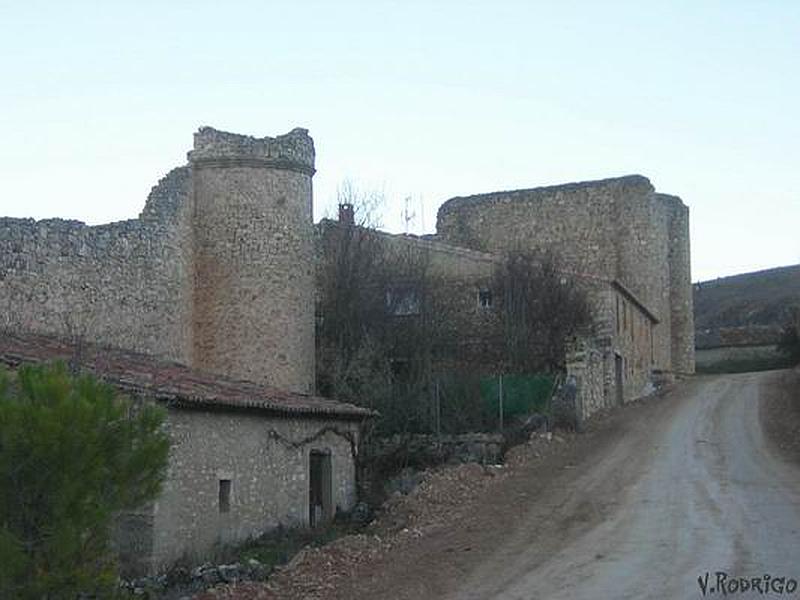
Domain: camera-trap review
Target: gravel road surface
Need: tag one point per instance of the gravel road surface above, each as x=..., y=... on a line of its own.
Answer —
x=700, y=492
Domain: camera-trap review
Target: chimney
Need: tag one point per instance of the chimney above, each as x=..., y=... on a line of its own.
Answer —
x=346, y=216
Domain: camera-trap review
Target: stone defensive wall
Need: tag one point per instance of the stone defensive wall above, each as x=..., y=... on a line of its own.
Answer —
x=216, y=273
x=615, y=229
x=127, y=284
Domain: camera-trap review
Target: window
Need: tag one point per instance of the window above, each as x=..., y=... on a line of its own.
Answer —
x=484, y=298
x=224, y=495
x=402, y=301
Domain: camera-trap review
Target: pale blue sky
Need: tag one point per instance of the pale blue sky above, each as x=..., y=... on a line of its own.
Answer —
x=422, y=99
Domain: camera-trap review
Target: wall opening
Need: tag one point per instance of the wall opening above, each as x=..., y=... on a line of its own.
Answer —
x=224, y=495
x=485, y=298
x=320, y=493
x=403, y=300
x=618, y=377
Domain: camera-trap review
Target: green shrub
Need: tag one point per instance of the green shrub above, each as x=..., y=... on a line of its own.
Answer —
x=72, y=453
x=789, y=343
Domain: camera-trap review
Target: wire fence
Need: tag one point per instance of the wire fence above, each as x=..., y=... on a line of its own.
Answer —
x=461, y=404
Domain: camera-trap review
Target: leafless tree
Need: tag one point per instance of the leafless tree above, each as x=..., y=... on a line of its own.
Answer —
x=542, y=310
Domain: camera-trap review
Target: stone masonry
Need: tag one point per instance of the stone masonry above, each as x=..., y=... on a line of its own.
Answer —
x=217, y=272
x=614, y=229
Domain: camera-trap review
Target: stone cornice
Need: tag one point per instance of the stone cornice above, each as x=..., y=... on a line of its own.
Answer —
x=223, y=162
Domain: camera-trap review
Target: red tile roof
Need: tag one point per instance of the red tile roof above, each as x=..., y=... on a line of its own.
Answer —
x=173, y=383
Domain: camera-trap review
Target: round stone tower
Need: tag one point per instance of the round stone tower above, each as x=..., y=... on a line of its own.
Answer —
x=253, y=309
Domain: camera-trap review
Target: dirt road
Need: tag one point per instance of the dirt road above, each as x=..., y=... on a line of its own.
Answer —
x=701, y=492
x=649, y=499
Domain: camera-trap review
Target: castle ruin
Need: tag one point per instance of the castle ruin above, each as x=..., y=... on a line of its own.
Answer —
x=217, y=274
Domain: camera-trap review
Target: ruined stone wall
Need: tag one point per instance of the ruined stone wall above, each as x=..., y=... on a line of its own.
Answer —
x=254, y=279
x=217, y=272
x=586, y=371
x=126, y=284
x=622, y=330
x=681, y=296
x=614, y=229
x=577, y=221
x=631, y=336
x=643, y=242
x=267, y=461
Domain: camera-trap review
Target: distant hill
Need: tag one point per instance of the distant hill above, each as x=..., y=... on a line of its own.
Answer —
x=758, y=302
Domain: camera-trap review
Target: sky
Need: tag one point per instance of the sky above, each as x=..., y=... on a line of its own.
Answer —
x=418, y=100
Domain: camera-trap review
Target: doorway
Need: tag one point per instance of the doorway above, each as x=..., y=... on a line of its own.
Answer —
x=618, y=375
x=320, y=494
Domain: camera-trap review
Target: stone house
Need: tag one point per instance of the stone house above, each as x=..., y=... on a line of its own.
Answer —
x=625, y=244
x=205, y=303
x=244, y=457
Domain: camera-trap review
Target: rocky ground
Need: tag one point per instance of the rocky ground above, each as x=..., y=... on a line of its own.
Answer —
x=473, y=531
x=432, y=515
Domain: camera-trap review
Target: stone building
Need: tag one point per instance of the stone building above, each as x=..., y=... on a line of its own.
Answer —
x=215, y=275
x=244, y=457
x=616, y=230
x=627, y=245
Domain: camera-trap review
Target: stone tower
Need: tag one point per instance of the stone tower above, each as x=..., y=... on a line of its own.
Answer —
x=253, y=298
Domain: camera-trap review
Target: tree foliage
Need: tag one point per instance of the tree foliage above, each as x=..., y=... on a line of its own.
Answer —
x=72, y=453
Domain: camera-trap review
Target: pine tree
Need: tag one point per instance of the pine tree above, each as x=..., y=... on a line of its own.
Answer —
x=72, y=453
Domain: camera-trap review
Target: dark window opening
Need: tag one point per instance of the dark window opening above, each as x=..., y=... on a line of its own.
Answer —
x=224, y=495
x=401, y=369
x=485, y=298
x=402, y=301
x=320, y=489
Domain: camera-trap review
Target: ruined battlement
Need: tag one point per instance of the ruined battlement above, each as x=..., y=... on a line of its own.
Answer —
x=293, y=151
x=625, y=183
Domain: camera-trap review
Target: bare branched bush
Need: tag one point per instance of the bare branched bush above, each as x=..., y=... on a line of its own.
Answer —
x=542, y=310
x=378, y=323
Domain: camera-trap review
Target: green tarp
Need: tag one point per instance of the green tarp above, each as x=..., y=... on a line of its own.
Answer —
x=522, y=394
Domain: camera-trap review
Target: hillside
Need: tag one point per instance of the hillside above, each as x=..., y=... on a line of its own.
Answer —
x=758, y=301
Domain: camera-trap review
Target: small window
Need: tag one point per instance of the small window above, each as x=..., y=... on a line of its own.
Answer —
x=224, y=495
x=402, y=301
x=485, y=298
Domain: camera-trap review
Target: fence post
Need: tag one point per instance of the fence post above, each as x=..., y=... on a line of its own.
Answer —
x=501, y=402
x=438, y=410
